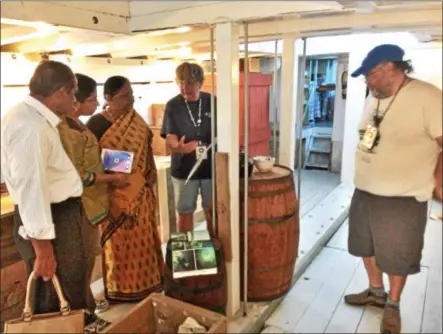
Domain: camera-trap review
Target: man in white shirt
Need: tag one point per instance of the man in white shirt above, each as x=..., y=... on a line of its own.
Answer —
x=395, y=177
x=46, y=188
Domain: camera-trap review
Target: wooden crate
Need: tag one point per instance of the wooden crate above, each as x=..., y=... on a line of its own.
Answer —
x=159, y=146
x=156, y=112
x=14, y=278
x=161, y=314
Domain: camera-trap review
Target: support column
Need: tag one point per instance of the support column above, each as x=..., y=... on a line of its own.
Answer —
x=355, y=105
x=226, y=45
x=292, y=49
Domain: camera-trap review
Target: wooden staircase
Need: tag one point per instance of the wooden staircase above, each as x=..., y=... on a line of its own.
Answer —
x=319, y=151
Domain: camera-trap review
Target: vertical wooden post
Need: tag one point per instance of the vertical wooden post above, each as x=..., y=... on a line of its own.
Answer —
x=223, y=203
x=228, y=77
x=289, y=101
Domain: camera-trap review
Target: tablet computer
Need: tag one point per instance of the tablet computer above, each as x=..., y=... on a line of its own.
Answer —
x=117, y=161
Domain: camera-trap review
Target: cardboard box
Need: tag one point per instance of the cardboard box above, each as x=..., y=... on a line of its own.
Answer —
x=161, y=314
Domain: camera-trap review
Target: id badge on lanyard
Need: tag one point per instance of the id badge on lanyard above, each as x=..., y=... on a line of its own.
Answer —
x=369, y=137
x=201, y=152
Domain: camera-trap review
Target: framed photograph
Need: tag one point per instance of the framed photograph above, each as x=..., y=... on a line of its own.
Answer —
x=193, y=254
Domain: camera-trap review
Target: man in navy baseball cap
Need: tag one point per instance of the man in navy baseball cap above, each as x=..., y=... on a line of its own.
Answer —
x=383, y=69
x=397, y=168
x=378, y=55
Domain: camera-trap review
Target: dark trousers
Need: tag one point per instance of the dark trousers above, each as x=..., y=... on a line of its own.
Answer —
x=70, y=254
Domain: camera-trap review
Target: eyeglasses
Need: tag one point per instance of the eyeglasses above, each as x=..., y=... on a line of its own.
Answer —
x=373, y=72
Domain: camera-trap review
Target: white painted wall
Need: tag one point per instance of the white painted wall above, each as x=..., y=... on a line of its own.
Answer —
x=19, y=71
x=339, y=116
x=339, y=102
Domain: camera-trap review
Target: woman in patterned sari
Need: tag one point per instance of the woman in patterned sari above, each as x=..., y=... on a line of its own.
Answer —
x=82, y=148
x=132, y=256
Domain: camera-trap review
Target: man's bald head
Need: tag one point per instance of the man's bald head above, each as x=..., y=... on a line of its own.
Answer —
x=55, y=85
x=49, y=77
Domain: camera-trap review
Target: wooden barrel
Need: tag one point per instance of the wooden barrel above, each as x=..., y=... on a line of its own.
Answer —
x=14, y=273
x=9, y=252
x=273, y=233
x=209, y=291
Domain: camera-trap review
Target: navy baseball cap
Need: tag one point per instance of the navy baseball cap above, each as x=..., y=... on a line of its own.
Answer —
x=379, y=54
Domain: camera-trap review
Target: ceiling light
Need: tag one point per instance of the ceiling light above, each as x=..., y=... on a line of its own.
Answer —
x=43, y=32
x=86, y=50
x=180, y=30
x=32, y=24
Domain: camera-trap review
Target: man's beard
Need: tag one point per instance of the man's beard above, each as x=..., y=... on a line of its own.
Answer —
x=378, y=94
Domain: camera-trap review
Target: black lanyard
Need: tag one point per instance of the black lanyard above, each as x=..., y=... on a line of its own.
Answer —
x=379, y=118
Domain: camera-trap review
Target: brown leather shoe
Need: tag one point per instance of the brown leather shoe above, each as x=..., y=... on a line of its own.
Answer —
x=391, y=321
x=366, y=298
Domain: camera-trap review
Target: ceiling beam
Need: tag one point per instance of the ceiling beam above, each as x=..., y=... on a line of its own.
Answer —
x=380, y=19
x=144, y=44
x=221, y=11
x=93, y=16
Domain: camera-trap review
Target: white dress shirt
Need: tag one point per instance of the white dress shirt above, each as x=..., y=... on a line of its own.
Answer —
x=35, y=166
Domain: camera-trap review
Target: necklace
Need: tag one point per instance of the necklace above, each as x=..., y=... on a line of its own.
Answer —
x=109, y=113
x=199, y=119
x=379, y=118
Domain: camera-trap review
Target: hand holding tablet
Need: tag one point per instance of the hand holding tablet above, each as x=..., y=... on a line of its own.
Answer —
x=117, y=161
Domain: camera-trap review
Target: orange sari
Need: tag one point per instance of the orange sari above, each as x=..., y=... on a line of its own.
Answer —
x=132, y=255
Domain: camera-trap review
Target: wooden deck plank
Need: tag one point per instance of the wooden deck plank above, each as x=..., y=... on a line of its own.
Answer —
x=370, y=321
x=318, y=221
x=412, y=303
x=297, y=301
x=432, y=314
x=432, y=258
x=340, y=239
x=320, y=310
x=346, y=318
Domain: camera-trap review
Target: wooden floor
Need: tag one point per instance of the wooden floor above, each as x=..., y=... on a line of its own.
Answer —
x=315, y=185
x=315, y=304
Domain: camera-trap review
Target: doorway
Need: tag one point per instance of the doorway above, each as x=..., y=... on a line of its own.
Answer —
x=324, y=86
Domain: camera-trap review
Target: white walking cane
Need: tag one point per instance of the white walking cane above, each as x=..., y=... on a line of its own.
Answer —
x=213, y=136
x=246, y=183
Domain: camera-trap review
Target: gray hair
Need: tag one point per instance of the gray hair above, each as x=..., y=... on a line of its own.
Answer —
x=50, y=76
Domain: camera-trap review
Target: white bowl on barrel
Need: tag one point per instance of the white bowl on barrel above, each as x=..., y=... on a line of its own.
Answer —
x=264, y=164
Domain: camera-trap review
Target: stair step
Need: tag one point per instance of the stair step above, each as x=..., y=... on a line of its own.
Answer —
x=322, y=136
x=322, y=166
x=319, y=150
